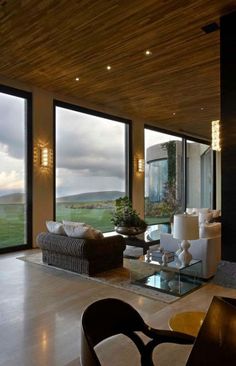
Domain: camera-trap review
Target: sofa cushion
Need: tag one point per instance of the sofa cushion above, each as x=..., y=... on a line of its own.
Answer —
x=196, y=211
x=79, y=231
x=75, y=223
x=209, y=230
x=55, y=227
x=204, y=217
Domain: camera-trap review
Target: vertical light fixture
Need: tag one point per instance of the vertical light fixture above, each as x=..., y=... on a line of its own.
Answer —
x=140, y=165
x=215, y=135
x=44, y=157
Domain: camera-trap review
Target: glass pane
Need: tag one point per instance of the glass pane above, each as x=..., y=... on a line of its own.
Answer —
x=90, y=167
x=12, y=171
x=163, y=176
x=199, y=175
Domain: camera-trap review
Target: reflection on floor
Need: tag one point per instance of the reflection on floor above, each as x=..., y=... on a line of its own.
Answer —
x=41, y=308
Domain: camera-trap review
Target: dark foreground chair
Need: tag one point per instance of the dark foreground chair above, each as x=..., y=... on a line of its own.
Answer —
x=214, y=345
x=108, y=317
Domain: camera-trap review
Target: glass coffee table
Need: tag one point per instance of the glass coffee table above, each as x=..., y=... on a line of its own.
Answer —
x=172, y=278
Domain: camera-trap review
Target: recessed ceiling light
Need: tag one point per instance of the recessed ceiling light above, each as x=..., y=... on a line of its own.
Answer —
x=148, y=53
x=108, y=67
x=77, y=78
x=174, y=113
x=202, y=108
x=209, y=28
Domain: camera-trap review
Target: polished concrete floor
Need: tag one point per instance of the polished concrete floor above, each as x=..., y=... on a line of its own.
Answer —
x=40, y=311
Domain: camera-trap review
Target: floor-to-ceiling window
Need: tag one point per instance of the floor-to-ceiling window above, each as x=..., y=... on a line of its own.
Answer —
x=163, y=176
x=15, y=169
x=92, y=163
x=178, y=174
x=199, y=175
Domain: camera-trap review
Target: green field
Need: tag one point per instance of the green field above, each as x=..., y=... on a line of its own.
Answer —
x=100, y=218
x=12, y=228
x=96, y=214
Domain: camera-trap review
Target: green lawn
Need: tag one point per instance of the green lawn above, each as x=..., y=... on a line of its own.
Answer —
x=12, y=228
x=100, y=218
x=12, y=218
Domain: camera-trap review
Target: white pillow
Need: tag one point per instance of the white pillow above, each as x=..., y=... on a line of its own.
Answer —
x=75, y=223
x=198, y=210
x=209, y=230
x=204, y=217
x=79, y=231
x=55, y=227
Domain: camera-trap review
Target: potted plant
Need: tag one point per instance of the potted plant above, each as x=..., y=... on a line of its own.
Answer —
x=126, y=220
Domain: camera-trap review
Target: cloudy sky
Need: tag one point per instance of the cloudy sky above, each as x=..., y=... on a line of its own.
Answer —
x=11, y=144
x=90, y=153
x=90, y=150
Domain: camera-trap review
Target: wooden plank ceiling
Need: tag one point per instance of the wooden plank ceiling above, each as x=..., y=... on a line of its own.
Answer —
x=49, y=43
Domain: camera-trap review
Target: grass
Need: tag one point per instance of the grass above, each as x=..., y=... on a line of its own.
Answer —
x=100, y=218
x=12, y=228
x=12, y=219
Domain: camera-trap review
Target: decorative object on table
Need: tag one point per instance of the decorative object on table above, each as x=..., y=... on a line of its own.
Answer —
x=157, y=256
x=167, y=275
x=164, y=259
x=185, y=228
x=127, y=220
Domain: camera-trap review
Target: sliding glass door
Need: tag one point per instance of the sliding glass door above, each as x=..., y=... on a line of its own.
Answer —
x=15, y=144
x=92, y=163
x=199, y=175
x=163, y=176
x=178, y=174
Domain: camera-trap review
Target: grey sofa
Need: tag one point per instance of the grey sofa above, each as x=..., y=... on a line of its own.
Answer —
x=86, y=256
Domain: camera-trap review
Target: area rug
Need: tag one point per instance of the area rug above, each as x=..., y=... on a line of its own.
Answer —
x=225, y=275
x=119, y=278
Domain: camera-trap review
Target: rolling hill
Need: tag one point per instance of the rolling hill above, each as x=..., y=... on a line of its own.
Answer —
x=12, y=198
x=92, y=196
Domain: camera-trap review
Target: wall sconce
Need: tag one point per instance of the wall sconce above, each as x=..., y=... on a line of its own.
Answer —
x=44, y=157
x=215, y=135
x=140, y=165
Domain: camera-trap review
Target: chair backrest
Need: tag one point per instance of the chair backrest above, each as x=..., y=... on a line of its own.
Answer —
x=216, y=340
x=108, y=317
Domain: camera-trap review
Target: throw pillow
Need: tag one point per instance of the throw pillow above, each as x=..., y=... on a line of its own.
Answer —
x=79, y=231
x=97, y=234
x=204, y=217
x=198, y=210
x=55, y=227
x=209, y=230
x=216, y=213
x=75, y=223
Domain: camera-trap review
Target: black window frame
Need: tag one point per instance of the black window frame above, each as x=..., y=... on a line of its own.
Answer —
x=28, y=164
x=128, y=143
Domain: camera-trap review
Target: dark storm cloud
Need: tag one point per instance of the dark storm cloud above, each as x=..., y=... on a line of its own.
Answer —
x=89, y=146
x=11, y=126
